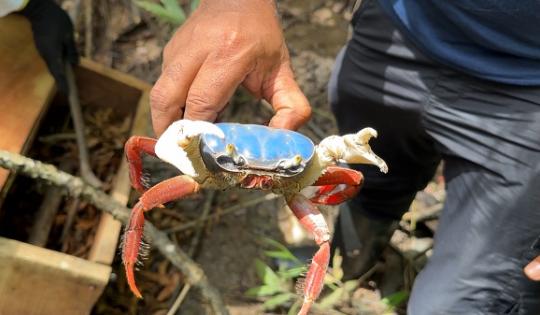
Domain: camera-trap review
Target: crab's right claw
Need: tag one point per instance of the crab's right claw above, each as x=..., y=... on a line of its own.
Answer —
x=170, y=146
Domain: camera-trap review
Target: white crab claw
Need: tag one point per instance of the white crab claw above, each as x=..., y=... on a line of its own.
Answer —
x=170, y=146
x=351, y=148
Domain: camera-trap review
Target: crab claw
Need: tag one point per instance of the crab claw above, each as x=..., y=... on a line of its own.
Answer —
x=170, y=146
x=351, y=148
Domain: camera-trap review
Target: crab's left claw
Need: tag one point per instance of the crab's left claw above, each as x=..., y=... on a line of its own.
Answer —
x=360, y=150
x=170, y=146
x=351, y=148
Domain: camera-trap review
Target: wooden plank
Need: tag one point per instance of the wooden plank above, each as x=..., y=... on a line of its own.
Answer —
x=38, y=281
x=26, y=87
x=115, y=74
x=108, y=232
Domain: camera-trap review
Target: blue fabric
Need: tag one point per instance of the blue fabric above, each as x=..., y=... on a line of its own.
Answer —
x=261, y=145
x=498, y=40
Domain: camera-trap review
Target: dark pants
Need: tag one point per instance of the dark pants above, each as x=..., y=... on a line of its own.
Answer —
x=488, y=136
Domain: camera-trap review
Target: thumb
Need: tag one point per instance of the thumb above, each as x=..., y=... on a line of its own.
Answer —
x=291, y=105
x=532, y=270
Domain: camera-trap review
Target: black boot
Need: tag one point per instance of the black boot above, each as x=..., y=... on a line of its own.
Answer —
x=360, y=239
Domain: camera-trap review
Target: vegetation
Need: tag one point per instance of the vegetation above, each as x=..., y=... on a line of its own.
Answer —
x=169, y=11
x=278, y=290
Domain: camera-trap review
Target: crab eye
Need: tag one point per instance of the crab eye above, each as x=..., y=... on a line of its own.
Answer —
x=229, y=149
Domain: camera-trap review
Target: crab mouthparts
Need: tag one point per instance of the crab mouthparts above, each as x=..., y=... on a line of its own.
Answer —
x=263, y=182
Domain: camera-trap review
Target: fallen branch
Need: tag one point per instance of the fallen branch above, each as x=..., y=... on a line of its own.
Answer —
x=75, y=187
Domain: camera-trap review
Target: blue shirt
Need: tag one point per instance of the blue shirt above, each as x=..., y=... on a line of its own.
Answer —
x=497, y=40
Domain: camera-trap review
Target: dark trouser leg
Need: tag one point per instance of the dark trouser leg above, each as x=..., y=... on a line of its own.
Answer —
x=362, y=95
x=488, y=135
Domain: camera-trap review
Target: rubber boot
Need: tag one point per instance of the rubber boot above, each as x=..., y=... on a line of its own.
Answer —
x=360, y=239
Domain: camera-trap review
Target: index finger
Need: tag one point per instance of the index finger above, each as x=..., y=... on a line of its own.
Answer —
x=168, y=96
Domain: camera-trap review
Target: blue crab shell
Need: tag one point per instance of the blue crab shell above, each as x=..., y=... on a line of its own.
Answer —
x=257, y=148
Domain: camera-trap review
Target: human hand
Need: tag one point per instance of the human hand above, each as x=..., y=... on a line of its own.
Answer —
x=532, y=270
x=224, y=44
x=53, y=36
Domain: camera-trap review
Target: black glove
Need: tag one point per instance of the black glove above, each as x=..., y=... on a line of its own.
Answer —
x=53, y=35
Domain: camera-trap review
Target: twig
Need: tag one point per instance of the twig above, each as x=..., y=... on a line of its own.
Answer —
x=204, y=215
x=44, y=220
x=429, y=213
x=179, y=299
x=194, y=244
x=88, y=12
x=76, y=187
x=45, y=217
x=231, y=209
x=58, y=137
x=369, y=273
x=71, y=210
x=78, y=123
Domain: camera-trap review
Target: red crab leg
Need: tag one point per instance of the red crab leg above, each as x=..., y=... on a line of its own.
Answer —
x=331, y=179
x=313, y=221
x=168, y=190
x=133, y=148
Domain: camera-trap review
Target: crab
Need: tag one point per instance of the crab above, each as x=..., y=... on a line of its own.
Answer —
x=227, y=155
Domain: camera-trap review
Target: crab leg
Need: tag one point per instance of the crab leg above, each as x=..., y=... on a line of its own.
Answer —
x=133, y=148
x=313, y=221
x=168, y=190
x=331, y=179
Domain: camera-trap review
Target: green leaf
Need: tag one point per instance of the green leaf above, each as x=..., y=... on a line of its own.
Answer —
x=175, y=9
x=395, y=299
x=160, y=12
x=280, y=254
x=292, y=272
x=263, y=290
x=332, y=299
x=337, y=271
x=266, y=274
x=330, y=280
x=295, y=307
x=278, y=300
x=283, y=251
x=350, y=285
x=194, y=5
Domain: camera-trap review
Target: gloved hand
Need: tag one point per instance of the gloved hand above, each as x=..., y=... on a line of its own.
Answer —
x=53, y=36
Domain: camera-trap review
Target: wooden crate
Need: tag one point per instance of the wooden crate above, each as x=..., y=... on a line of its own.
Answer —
x=34, y=280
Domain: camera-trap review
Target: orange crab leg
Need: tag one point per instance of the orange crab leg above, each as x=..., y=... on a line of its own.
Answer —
x=331, y=180
x=313, y=221
x=168, y=190
x=133, y=148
